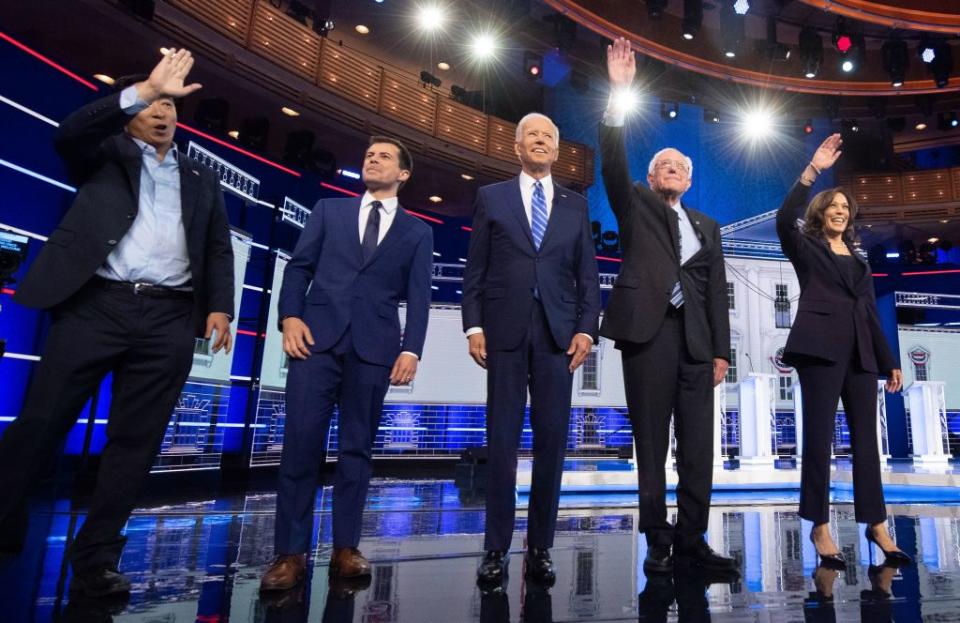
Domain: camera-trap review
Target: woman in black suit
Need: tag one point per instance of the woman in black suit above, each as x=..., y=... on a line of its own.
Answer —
x=839, y=350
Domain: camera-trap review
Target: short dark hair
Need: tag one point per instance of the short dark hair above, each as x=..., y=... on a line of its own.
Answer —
x=813, y=218
x=123, y=82
x=406, y=160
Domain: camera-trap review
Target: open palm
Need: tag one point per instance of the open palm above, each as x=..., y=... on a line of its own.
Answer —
x=828, y=152
x=167, y=78
x=621, y=63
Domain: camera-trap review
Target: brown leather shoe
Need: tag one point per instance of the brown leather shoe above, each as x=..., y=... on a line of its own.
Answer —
x=348, y=562
x=284, y=573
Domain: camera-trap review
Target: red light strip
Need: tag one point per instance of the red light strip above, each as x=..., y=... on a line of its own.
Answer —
x=425, y=217
x=932, y=272
x=224, y=143
x=48, y=61
x=881, y=274
x=250, y=333
x=349, y=193
x=8, y=291
x=609, y=259
x=465, y=228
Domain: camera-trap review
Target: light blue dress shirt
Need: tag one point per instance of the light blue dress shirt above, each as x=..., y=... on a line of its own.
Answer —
x=154, y=249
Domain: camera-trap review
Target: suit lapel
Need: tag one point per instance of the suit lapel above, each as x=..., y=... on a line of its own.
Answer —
x=844, y=274
x=132, y=159
x=673, y=227
x=697, y=224
x=351, y=226
x=515, y=201
x=189, y=189
x=401, y=224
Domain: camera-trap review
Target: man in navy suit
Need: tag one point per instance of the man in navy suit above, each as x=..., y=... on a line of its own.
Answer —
x=531, y=304
x=359, y=258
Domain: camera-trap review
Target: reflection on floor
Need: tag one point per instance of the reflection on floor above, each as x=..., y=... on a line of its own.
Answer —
x=201, y=560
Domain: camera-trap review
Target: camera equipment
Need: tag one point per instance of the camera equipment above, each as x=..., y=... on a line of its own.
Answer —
x=13, y=250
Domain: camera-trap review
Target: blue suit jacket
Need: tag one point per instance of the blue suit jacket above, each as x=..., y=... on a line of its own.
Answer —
x=503, y=267
x=345, y=291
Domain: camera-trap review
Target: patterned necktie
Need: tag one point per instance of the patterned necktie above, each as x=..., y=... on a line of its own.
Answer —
x=676, y=296
x=371, y=232
x=538, y=224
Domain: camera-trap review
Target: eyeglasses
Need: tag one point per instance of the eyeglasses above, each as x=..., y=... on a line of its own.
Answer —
x=676, y=164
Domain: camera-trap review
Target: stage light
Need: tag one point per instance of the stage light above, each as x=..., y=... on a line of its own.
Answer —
x=711, y=116
x=692, y=18
x=669, y=110
x=289, y=112
x=532, y=65
x=443, y=66
x=458, y=93
x=731, y=30
x=920, y=126
x=850, y=125
x=947, y=120
x=942, y=64
x=483, y=47
x=363, y=30
x=757, y=124
x=926, y=50
x=896, y=61
x=234, y=133
x=808, y=127
x=428, y=78
x=354, y=175
x=431, y=17
x=435, y=198
x=776, y=51
x=624, y=101
x=811, y=52
x=847, y=65
x=104, y=78
x=741, y=7
x=655, y=8
x=466, y=176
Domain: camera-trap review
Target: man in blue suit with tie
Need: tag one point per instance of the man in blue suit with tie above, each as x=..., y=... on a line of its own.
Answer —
x=355, y=261
x=531, y=304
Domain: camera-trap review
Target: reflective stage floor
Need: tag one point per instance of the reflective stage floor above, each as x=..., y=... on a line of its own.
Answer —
x=201, y=560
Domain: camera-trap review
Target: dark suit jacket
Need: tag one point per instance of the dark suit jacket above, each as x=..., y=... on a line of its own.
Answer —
x=346, y=291
x=105, y=163
x=649, y=241
x=503, y=267
x=832, y=309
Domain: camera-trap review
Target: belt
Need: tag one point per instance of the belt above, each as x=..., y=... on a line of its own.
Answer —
x=142, y=289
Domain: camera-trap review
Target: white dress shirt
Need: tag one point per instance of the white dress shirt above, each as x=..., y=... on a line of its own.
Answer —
x=388, y=209
x=689, y=241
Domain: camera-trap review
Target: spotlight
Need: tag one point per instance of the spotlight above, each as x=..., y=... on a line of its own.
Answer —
x=808, y=127
x=921, y=126
x=298, y=11
x=431, y=18
x=849, y=125
x=776, y=51
x=711, y=116
x=669, y=110
x=104, y=78
x=895, y=61
x=212, y=114
x=532, y=65
x=459, y=93
x=483, y=47
x=428, y=78
x=624, y=101
x=741, y=7
x=841, y=38
x=926, y=50
x=443, y=65
x=942, y=64
x=947, y=120
x=811, y=52
x=731, y=30
x=757, y=124
x=655, y=8
x=692, y=18
x=847, y=65
x=254, y=132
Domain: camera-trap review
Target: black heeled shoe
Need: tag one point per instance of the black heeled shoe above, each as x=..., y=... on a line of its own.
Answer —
x=831, y=561
x=894, y=558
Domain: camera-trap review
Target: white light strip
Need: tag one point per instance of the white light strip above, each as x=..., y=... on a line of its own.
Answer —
x=259, y=246
x=36, y=175
x=23, y=232
x=254, y=288
x=32, y=113
x=22, y=356
x=266, y=204
x=240, y=378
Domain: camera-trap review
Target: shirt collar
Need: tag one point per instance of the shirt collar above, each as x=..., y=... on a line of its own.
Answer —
x=389, y=205
x=527, y=181
x=152, y=151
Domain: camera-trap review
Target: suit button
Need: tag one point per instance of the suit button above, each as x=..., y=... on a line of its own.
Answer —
x=112, y=242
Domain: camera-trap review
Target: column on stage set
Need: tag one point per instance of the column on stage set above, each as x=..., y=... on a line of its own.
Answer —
x=883, y=440
x=798, y=422
x=719, y=422
x=756, y=420
x=928, y=423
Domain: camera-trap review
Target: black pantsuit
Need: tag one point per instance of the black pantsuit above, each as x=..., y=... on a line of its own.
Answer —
x=148, y=345
x=665, y=381
x=839, y=350
x=334, y=377
x=539, y=361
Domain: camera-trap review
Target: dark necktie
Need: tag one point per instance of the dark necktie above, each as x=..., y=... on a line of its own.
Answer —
x=371, y=232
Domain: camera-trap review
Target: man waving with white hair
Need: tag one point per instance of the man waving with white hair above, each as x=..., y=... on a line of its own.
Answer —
x=668, y=315
x=531, y=304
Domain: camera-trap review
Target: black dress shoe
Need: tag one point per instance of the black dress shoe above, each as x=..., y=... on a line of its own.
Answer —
x=493, y=569
x=894, y=558
x=658, y=559
x=831, y=561
x=99, y=583
x=702, y=556
x=539, y=566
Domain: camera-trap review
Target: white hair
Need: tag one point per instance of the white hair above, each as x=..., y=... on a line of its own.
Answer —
x=656, y=156
x=537, y=115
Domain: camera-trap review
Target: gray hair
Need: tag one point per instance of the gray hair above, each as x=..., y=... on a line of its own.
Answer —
x=656, y=156
x=537, y=115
